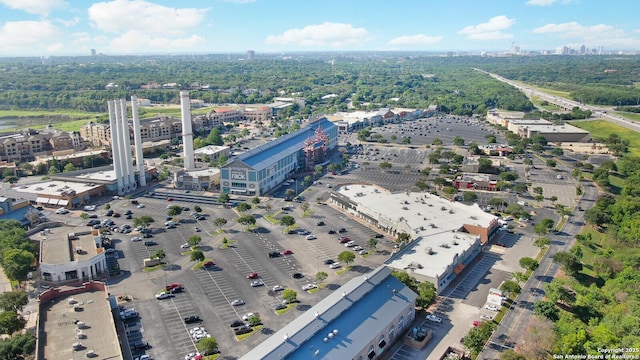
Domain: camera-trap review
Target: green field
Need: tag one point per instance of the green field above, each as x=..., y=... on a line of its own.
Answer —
x=602, y=129
x=538, y=103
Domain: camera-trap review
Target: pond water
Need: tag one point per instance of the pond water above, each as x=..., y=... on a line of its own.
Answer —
x=9, y=123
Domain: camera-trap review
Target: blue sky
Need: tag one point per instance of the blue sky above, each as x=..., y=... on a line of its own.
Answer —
x=73, y=27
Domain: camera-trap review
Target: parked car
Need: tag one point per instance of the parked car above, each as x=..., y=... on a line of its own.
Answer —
x=252, y=275
x=62, y=211
x=196, y=229
x=192, y=319
x=257, y=283
x=434, y=318
x=329, y=261
x=379, y=236
x=281, y=306
x=274, y=254
x=185, y=246
x=150, y=243
x=209, y=264
x=247, y=316
x=109, y=213
x=136, y=238
x=335, y=265
x=310, y=237
x=350, y=244
x=278, y=288
x=287, y=252
x=308, y=287
x=237, y=323
x=342, y=230
x=237, y=302
x=363, y=252
x=173, y=286
x=491, y=307
x=163, y=295
x=331, y=232
x=320, y=223
x=297, y=276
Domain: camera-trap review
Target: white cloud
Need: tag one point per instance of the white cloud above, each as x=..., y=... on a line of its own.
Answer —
x=327, y=34
x=122, y=16
x=139, y=42
x=541, y=2
x=39, y=7
x=594, y=35
x=27, y=36
x=491, y=30
x=69, y=23
x=415, y=40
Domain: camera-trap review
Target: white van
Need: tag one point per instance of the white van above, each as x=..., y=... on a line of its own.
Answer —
x=62, y=211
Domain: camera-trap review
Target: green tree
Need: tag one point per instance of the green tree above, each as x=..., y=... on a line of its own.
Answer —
x=485, y=165
x=11, y=179
x=10, y=322
x=194, y=240
x=458, y=141
x=426, y=294
x=197, y=209
x=84, y=216
x=223, y=198
x=385, y=165
x=207, y=345
x=372, y=243
x=289, y=295
x=143, y=221
x=18, y=346
x=242, y=207
x=551, y=163
x=255, y=200
x=13, y=300
x=220, y=222
x=346, y=257
x=214, y=137
x=287, y=220
x=289, y=193
x=542, y=242
x=174, y=210
x=470, y=196
x=510, y=288
x=197, y=255
x=547, y=309
x=247, y=220
x=158, y=254
x=404, y=237
x=17, y=263
x=321, y=276
x=107, y=207
x=478, y=336
x=528, y=263
x=569, y=262
x=437, y=142
x=69, y=167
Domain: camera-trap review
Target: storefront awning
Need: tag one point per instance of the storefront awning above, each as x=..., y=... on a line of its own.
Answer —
x=63, y=202
x=42, y=200
x=53, y=201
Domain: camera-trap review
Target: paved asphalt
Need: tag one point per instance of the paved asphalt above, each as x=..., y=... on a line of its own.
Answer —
x=514, y=325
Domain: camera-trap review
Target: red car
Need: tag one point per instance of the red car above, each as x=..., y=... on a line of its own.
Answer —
x=343, y=239
x=174, y=286
x=169, y=199
x=287, y=252
x=209, y=264
x=253, y=275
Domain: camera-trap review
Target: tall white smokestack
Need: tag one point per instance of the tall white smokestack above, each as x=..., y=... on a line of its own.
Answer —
x=115, y=145
x=187, y=132
x=142, y=178
x=127, y=144
x=122, y=150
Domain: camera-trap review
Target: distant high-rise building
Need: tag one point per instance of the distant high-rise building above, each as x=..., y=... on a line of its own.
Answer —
x=583, y=50
x=251, y=55
x=93, y=52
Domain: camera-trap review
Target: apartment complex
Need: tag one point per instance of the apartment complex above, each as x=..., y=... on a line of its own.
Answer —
x=26, y=145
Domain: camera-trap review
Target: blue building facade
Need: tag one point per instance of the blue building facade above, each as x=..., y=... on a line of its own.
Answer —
x=262, y=169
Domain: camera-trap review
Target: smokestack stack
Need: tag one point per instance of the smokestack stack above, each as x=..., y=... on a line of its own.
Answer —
x=115, y=144
x=142, y=178
x=121, y=122
x=187, y=132
x=127, y=145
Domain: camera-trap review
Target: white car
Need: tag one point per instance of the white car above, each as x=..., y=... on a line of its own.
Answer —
x=335, y=265
x=363, y=252
x=62, y=211
x=278, y=288
x=350, y=244
x=136, y=238
x=311, y=237
x=196, y=229
x=185, y=246
x=491, y=307
x=90, y=208
x=140, y=206
x=256, y=283
x=309, y=287
x=246, y=317
x=357, y=248
x=197, y=329
x=237, y=302
x=434, y=318
x=163, y=295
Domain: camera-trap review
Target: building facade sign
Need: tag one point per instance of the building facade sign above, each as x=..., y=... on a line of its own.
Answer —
x=238, y=174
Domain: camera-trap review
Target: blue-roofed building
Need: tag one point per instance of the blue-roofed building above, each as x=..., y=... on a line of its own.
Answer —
x=262, y=169
x=358, y=321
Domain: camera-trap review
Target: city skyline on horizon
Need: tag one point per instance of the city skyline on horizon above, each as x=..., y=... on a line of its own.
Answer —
x=141, y=27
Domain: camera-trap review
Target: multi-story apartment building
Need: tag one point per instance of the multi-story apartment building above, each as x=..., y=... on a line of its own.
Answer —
x=26, y=145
